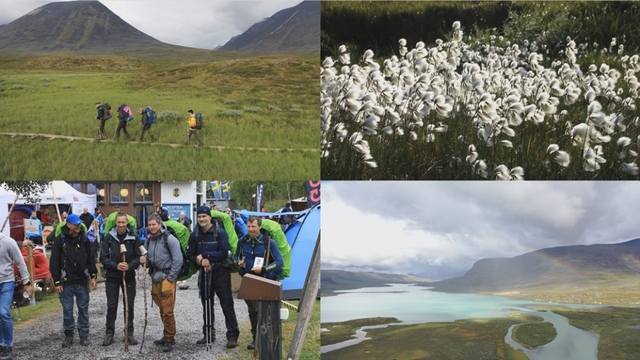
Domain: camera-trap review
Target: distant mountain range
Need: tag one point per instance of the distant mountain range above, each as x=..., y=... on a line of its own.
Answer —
x=333, y=280
x=292, y=29
x=546, y=268
x=551, y=267
x=90, y=28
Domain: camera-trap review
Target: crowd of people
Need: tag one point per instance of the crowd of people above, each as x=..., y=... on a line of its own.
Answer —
x=147, y=119
x=74, y=272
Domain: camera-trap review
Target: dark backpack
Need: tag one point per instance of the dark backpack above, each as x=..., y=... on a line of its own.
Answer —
x=106, y=111
x=151, y=115
x=199, y=121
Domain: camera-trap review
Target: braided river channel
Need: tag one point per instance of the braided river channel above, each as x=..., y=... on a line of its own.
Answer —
x=416, y=304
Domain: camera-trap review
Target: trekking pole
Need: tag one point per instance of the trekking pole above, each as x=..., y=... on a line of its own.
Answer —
x=206, y=307
x=123, y=251
x=143, y=251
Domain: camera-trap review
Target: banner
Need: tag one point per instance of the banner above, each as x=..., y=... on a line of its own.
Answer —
x=313, y=193
x=258, y=200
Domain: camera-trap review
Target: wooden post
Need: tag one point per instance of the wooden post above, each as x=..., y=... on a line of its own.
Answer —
x=307, y=300
x=30, y=266
x=269, y=331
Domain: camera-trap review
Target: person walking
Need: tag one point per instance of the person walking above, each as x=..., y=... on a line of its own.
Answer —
x=164, y=260
x=102, y=118
x=9, y=253
x=71, y=263
x=122, y=123
x=209, y=248
x=111, y=259
x=257, y=254
x=192, y=123
x=146, y=123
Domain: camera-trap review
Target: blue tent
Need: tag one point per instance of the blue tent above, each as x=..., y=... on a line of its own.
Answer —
x=301, y=236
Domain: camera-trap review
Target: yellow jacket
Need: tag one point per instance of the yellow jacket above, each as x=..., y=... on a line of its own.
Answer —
x=191, y=121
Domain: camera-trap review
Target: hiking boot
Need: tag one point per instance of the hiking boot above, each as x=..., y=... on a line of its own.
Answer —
x=7, y=352
x=68, y=341
x=133, y=340
x=84, y=341
x=159, y=342
x=251, y=345
x=231, y=343
x=108, y=340
x=167, y=347
x=204, y=340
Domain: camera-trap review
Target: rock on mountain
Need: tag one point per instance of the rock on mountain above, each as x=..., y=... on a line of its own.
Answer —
x=84, y=27
x=289, y=30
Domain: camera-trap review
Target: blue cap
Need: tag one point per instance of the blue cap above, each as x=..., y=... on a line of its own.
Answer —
x=73, y=219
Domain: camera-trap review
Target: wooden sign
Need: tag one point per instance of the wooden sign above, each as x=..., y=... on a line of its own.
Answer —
x=254, y=287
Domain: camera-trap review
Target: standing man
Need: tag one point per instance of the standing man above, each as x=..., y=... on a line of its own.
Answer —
x=164, y=259
x=122, y=123
x=111, y=259
x=184, y=220
x=257, y=245
x=9, y=253
x=71, y=263
x=192, y=123
x=209, y=248
x=102, y=118
x=86, y=217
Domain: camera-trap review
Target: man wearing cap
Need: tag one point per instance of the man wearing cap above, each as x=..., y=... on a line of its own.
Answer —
x=209, y=248
x=72, y=263
x=111, y=259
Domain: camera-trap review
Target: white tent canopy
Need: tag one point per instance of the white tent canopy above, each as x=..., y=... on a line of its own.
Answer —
x=64, y=194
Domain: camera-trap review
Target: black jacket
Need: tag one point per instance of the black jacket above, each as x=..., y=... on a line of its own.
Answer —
x=87, y=219
x=110, y=254
x=72, y=260
x=100, y=113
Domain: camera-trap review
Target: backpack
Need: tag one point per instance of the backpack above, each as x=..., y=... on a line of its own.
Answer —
x=107, y=111
x=217, y=224
x=110, y=222
x=126, y=113
x=198, y=121
x=182, y=234
x=151, y=115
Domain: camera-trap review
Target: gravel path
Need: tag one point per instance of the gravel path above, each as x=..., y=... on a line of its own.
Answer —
x=42, y=338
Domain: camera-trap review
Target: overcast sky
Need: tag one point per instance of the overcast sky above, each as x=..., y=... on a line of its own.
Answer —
x=195, y=23
x=442, y=228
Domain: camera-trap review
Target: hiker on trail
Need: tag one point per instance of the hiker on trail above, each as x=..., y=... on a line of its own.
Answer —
x=146, y=122
x=164, y=259
x=184, y=220
x=111, y=259
x=255, y=246
x=209, y=248
x=122, y=123
x=192, y=123
x=71, y=264
x=9, y=253
x=102, y=118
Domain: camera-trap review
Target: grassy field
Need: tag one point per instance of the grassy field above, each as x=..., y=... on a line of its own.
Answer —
x=266, y=102
x=462, y=339
x=505, y=91
x=534, y=334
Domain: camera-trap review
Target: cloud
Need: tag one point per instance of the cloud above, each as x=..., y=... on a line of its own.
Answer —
x=400, y=226
x=195, y=23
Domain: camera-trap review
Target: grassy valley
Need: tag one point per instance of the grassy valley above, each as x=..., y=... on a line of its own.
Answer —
x=259, y=113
